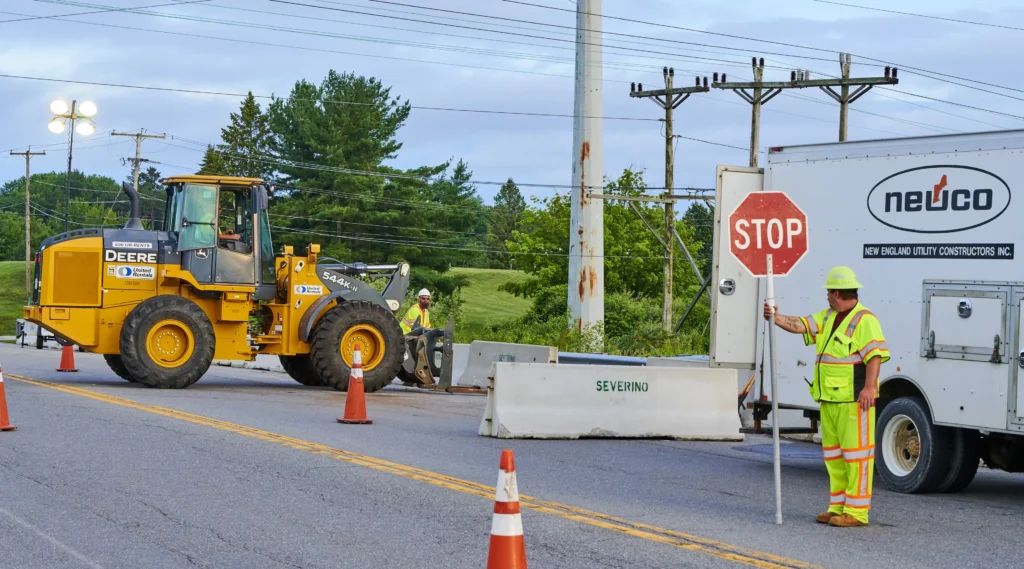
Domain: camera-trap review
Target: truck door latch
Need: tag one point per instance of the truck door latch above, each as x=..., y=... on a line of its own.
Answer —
x=930, y=354
x=995, y=352
x=727, y=286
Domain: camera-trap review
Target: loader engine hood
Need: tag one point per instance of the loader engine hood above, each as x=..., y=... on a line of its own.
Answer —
x=70, y=267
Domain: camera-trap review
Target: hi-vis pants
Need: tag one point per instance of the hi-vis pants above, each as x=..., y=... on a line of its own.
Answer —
x=848, y=439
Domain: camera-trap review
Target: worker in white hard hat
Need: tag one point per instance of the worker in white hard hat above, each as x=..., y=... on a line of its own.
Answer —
x=419, y=312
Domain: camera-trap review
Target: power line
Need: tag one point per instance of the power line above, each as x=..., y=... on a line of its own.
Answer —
x=104, y=11
x=959, y=21
x=903, y=67
x=390, y=175
x=331, y=101
x=504, y=32
x=465, y=249
x=334, y=51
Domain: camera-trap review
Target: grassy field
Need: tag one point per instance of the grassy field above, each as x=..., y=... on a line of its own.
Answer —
x=485, y=305
x=12, y=294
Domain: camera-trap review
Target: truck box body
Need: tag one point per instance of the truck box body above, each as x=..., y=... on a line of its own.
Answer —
x=932, y=227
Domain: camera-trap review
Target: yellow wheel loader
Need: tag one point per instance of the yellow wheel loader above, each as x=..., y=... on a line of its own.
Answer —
x=162, y=305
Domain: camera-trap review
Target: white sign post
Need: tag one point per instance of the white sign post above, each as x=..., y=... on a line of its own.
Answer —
x=775, y=394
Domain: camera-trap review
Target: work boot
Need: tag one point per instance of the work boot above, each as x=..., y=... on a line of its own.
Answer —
x=846, y=521
x=825, y=517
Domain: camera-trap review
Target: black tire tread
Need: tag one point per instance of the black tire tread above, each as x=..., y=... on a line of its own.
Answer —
x=117, y=366
x=301, y=369
x=965, y=459
x=327, y=336
x=133, y=349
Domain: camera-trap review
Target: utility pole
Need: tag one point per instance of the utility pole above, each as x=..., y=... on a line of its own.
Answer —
x=28, y=154
x=669, y=98
x=844, y=97
x=139, y=137
x=762, y=92
x=586, y=226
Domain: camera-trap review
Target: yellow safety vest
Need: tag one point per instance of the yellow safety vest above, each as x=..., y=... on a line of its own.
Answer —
x=839, y=370
x=410, y=319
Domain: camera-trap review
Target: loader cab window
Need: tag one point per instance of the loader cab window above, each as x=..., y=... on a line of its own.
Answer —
x=194, y=217
x=235, y=220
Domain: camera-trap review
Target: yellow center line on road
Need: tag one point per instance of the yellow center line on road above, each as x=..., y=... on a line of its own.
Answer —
x=640, y=530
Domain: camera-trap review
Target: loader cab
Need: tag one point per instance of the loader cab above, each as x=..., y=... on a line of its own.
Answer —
x=221, y=230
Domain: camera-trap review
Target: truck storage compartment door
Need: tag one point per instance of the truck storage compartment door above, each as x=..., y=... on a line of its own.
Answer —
x=1016, y=394
x=734, y=309
x=964, y=351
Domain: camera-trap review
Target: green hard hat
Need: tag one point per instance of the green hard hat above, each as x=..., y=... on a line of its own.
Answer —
x=842, y=278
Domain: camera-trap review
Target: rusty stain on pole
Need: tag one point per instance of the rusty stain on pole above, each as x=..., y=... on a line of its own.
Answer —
x=586, y=253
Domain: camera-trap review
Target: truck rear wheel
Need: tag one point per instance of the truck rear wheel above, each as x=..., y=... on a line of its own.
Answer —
x=964, y=460
x=912, y=454
x=362, y=323
x=301, y=369
x=117, y=366
x=167, y=342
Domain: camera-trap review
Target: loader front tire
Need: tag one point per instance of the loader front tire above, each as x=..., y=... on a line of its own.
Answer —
x=300, y=368
x=117, y=366
x=167, y=342
x=369, y=325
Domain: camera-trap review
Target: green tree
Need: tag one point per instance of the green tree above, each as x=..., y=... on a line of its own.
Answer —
x=213, y=163
x=246, y=150
x=333, y=140
x=506, y=216
x=701, y=219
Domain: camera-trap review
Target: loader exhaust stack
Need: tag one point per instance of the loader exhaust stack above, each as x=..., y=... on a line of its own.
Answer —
x=134, y=217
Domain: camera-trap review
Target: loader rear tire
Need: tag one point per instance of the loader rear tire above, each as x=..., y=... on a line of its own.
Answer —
x=301, y=369
x=167, y=342
x=353, y=322
x=117, y=366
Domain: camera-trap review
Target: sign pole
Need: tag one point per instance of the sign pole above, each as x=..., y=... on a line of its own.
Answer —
x=775, y=393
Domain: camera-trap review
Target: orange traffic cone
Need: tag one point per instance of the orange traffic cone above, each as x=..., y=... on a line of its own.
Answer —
x=507, y=550
x=355, y=400
x=5, y=421
x=67, y=359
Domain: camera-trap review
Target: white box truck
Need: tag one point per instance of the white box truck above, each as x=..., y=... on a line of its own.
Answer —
x=931, y=227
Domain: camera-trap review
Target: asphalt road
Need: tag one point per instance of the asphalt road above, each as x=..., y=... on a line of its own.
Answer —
x=248, y=469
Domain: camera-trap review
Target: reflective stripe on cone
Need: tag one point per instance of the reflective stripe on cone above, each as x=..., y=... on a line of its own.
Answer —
x=507, y=549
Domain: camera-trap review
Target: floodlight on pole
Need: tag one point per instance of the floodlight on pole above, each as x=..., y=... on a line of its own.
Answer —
x=62, y=113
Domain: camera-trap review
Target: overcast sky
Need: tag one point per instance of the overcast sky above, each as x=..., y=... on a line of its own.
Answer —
x=228, y=46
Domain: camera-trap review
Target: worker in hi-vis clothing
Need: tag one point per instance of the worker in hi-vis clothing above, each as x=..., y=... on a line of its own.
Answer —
x=420, y=310
x=850, y=352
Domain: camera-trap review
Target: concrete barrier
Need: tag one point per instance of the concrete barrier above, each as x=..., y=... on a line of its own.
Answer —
x=568, y=401
x=482, y=354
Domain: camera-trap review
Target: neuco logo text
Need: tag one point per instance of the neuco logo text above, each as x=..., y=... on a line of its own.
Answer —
x=939, y=199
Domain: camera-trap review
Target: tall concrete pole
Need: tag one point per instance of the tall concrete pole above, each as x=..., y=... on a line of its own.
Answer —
x=670, y=212
x=586, y=226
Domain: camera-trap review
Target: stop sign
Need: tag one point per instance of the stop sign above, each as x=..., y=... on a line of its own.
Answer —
x=768, y=223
